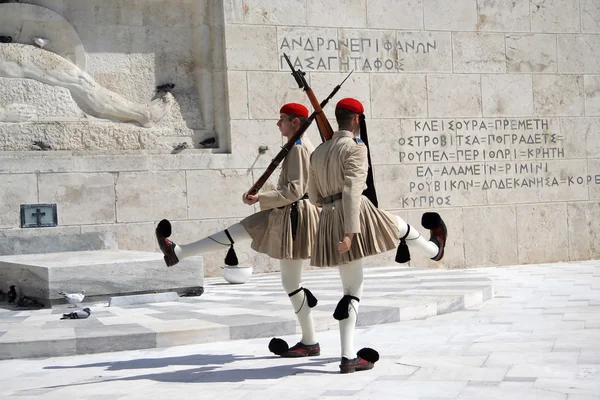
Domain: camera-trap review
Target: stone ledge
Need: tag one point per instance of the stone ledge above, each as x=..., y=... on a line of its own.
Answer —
x=101, y=274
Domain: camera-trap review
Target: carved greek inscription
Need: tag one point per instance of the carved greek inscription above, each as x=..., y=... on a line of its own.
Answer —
x=454, y=157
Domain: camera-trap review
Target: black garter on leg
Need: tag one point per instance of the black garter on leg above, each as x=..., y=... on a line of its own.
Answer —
x=341, y=311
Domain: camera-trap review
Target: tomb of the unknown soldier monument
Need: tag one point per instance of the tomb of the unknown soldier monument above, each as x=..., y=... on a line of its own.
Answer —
x=132, y=131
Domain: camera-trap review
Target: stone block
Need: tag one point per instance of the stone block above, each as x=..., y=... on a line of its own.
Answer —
x=14, y=245
x=237, y=86
x=478, y=52
x=508, y=95
x=451, y=15
x=269, y=91
x=579, y=54
x=350, y=13
x=394, y=14
x=490, y=235
x=531, y=53
x=118, y=301
x=231, y=184
x=249, y=135
x=397, y=96
x=457, y=95
x=590, y=23
x=251, y=47
x=128, y=236
x=584, y=239
x=369, y=50
x=541, y=233
x=503, y=16
x=275, y=12
x=568, y=188
x=17, y=189
x=384, y=144
x=557, y=16
x=592, y=94
x=558, y=95
x=81, y=198
x=101, y=274
x=580, y=137
x=151, y=196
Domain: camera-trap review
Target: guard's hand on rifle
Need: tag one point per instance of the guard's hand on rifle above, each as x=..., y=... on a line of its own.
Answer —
x=249, y=198
x=346, y=243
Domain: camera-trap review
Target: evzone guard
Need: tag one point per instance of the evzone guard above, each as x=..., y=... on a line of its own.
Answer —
x=284, y=229
x=351, y=227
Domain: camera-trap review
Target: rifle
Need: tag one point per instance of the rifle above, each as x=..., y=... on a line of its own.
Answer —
x=290, y=143
x=325, y=129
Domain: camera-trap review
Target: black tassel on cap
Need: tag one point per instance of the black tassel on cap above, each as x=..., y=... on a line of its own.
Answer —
x=403, y=254
x=278, y=346
x=341, y=310
x=369, y=192
x=231, y=258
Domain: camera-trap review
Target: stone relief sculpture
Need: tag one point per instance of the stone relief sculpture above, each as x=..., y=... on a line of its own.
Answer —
x=31, y=62
x=31, y=57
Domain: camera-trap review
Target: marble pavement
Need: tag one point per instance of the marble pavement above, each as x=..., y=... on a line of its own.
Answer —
x=536, y=339
x=256, y=309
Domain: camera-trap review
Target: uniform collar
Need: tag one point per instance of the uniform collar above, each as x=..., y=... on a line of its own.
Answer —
x=344, y=133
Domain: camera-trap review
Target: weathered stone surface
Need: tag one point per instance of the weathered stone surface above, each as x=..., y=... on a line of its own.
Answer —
x=489, y=234
x=558, y=95
x=14, y=245
x=453, y=95
x=81, y=198
x=592, y=94
x=541, y=229
x=590, y=16
x=478, y=52
x=507, y=95
x=150, y=196
x=269, y=91
x=503, y=16
x=397, y=96
x=17, y=189
x=320, y=13
x=579, y=54
x=531, y=53
x=251, y=47
x=555, y=16
x=275, y=12
x=451, y=15
x=406, y=14
x=583, y=236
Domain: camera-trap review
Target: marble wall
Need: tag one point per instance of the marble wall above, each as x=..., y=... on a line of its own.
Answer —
x=486, y=111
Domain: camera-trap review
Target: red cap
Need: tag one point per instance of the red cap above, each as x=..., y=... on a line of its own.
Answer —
x=294, y=109
x=351, y=105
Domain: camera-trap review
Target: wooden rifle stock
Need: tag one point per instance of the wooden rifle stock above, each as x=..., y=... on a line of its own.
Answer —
x=288, y=146
x=325, y=129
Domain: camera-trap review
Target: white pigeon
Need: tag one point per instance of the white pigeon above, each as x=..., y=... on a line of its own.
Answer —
x=73, y=298
x=41, y=42
x=79, y=314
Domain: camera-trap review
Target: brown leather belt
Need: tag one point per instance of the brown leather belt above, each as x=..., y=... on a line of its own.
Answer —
x=332, y=198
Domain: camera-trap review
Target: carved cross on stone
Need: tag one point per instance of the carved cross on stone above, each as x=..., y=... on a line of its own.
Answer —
x=38, y=214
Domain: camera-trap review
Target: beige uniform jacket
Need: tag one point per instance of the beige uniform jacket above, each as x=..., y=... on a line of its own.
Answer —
x=271, y=228
x=340, y=165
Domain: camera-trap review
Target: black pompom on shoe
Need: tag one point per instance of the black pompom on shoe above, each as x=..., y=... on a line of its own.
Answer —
x=368, y=354
x=164, y=228
x=278, y=346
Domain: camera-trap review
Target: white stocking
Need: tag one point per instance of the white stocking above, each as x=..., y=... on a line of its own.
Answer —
x=352, y=282
x=415, y=240
x=291, y=275
x=218, y=241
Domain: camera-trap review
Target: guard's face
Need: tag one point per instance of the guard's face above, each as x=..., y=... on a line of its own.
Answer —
x=286, y=127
